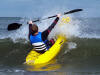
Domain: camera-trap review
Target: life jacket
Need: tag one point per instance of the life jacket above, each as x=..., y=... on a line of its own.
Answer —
x=37, y=42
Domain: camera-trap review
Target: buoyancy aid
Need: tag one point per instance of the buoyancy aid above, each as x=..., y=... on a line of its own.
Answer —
x=37, y=42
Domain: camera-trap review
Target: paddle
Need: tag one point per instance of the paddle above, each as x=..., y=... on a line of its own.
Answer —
x=14, y=26
x=69, y=12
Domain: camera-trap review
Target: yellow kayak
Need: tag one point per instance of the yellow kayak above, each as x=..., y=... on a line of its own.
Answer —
x=35, y=58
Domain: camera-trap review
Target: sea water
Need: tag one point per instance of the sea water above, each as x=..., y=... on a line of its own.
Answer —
x=79, y=56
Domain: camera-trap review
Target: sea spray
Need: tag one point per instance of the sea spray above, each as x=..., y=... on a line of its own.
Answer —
x=75, y=28
x=20, y=34
x=71, y=46
x=68, y=29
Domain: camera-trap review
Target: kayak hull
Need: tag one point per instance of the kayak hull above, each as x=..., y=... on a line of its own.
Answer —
x=34, y=58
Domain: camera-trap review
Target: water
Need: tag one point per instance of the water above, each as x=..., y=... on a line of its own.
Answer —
x=79, y=56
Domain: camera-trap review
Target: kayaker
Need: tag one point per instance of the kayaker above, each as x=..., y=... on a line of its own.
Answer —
x=39, y=39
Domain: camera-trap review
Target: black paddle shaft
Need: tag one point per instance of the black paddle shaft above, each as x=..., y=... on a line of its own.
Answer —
x=69, y=12
x=73, y=11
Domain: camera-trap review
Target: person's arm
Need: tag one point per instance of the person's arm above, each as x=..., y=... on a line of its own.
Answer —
x=30, y=28
x=48, y=30
x=53, y=24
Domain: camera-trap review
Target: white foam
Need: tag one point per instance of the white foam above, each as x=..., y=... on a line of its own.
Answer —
x=71, y=46
x=92, y=36
x=21, y=33
x=74, y=28
x=69, y=29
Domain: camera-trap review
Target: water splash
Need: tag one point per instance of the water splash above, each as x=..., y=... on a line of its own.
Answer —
x=75, y=28
x=71, y=46
x=68, y=29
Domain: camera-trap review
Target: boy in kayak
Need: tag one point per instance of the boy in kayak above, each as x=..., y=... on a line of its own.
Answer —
x=39, y=39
